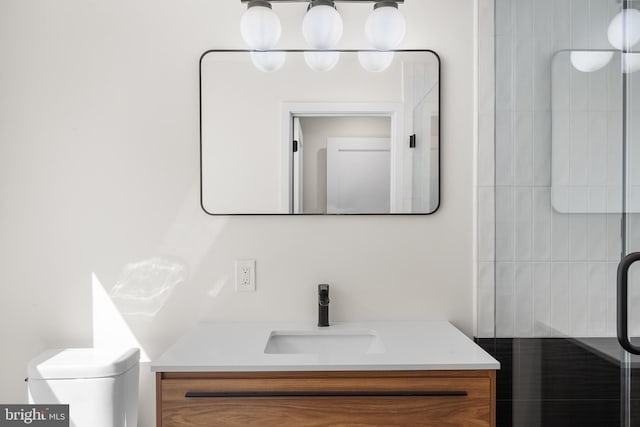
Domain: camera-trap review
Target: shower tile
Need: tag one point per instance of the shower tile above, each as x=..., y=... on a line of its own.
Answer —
x=614, y=199
x=561, y=150
x=578, y=237
x=504, y=73
x=504, y=224
x=541, y=298
x=614, y=241
x=542, y=148
x=505, y=299
x=579, y=94
x=504, y=149
x=486, y=224
x=559, y=236
x=613, y=160
x=598, y=91
x=597, y=299
x=486, y=298
x=486, y=167
x=560, y=298
x=523, y=19
x=597, y=237
x=633, y=230
x=524, y=299
x=524, y=72
x=524, y=148
x=599, y=19
x=579, y=21
x=578, y=199
x=578, y=298
x=523, y=224
x=561, y=28
x=611, y=297
x=597, y=199
x=504, y=18
x=560, y=84
x=542, y=50
x=486, y=75
x=541, y=224
x=597, y=151
x=579, y=157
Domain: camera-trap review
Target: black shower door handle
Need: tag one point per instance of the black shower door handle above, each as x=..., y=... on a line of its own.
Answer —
x=623, y=307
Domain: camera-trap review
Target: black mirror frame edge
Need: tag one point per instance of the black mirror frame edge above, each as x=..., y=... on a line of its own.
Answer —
x=205, y=53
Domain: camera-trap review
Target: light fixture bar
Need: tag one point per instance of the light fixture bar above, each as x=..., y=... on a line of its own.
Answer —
x=336, y=1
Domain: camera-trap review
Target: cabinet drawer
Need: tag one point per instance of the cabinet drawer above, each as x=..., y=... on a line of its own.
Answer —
x=410, y=398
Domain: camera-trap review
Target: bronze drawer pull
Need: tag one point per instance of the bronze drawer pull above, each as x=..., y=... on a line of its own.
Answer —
x=200, y=394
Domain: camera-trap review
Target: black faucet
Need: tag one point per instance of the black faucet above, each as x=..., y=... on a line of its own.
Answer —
x=323, y=305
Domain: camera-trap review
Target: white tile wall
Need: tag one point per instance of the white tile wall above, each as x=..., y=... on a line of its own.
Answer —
x=553, y=273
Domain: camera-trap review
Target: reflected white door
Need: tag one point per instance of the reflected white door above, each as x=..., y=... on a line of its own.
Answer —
x=358, y=175
x=297, y=166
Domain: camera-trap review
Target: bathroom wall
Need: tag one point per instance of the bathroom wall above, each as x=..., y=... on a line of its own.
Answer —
x=102, y=236
x=554, y=273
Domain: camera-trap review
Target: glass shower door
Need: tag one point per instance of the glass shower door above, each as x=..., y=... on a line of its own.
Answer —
x=567, y=211
x=628, y=274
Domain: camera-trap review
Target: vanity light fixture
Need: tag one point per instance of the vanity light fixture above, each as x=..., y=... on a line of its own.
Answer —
x=268, y=61
x=623, y=33
x=624, y=29
x=322, y=29
x=375, y=61
x=321, y=60
x=385, y=27
x=260, y=26
x=322, y=25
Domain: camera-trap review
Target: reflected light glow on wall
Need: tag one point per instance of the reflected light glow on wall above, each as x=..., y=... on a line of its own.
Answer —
x=109, y=328
x=144, y=287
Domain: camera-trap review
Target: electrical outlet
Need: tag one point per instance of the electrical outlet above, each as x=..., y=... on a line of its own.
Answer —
x=245, y=275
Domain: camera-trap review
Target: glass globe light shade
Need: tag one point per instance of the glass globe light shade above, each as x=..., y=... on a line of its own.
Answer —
x=322, y=26
x=588, y=62
x=375, y=62
x=385, y=27
x=630, y=62
x=321, y=60
x=624, y=29
x=268, y=61
x=260, y=26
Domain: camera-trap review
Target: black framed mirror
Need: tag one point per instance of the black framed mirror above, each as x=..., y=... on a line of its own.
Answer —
x=309, y=132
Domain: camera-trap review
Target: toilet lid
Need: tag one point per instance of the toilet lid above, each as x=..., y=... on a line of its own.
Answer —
x=71, y=363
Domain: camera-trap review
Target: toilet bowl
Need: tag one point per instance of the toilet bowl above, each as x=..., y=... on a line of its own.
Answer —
x=99, y=385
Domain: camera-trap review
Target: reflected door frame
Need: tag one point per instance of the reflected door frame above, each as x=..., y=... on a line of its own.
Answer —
x=393, y=110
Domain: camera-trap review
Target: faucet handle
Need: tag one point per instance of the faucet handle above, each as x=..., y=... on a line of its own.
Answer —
x=323, y=294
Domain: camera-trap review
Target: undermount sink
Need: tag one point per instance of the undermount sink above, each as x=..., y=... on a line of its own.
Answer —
x=324, y=342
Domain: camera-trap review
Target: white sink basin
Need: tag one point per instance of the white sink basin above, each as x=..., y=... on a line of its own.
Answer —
x=324, y=342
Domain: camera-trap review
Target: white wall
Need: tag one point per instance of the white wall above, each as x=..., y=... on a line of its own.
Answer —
x=99, y=176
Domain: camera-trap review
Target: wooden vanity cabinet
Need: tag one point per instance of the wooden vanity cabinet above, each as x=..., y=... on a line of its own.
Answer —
x=335, y=398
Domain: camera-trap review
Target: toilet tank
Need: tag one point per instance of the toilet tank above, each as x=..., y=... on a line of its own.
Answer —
x=99, y=385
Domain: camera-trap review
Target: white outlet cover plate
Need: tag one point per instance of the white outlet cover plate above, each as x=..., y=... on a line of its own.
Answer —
x=245, y=269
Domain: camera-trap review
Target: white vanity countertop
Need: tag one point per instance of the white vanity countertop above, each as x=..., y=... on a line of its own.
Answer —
x=414, y=345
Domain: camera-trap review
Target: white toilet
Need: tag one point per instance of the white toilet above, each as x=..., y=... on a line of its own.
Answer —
x=100, y=386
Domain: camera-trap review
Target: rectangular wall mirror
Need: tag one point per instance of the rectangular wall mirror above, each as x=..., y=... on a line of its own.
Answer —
x=297, y=141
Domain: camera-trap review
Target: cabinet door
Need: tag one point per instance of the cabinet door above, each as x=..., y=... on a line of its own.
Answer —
x=359, y=400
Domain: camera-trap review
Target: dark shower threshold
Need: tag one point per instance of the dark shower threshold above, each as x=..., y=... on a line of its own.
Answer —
x=563, y=382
